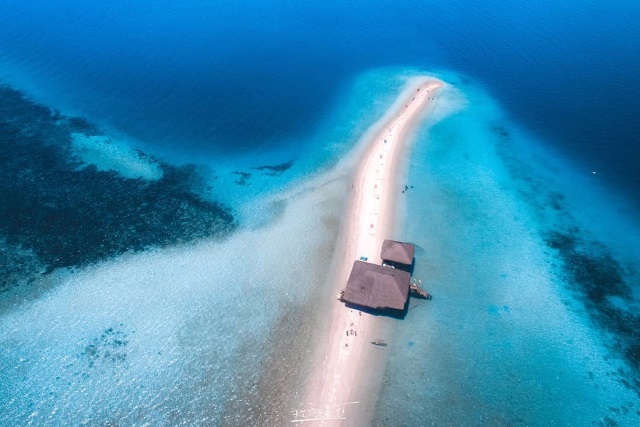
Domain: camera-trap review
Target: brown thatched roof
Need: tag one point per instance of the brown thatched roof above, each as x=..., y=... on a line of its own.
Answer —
x=378, y=287
x=398, y=252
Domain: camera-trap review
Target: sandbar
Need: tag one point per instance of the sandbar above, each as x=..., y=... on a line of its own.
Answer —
x=346, y=376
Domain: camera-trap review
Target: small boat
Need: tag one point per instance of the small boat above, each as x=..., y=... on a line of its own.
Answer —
x=379, y=343
x=415, y=287
x=420, y=292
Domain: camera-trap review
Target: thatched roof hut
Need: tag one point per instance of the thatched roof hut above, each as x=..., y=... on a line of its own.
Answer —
x=399, y=252
x=377, y=287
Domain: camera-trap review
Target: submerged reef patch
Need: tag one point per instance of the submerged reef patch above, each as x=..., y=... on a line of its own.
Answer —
x=108, y=349
x=268, y=170
x=57, y=211
x=243, y=178
x=275, y=170
x=599, y=279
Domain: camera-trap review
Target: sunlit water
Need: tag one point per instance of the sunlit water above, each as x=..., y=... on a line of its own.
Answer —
x=530, y=255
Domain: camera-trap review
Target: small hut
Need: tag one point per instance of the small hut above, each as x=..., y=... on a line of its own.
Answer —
x=377, y=287
x=397, y=254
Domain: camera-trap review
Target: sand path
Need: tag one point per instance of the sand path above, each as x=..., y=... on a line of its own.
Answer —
x=342, y=390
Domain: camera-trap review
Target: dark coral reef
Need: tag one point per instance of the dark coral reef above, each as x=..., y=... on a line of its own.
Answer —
x=58, y=212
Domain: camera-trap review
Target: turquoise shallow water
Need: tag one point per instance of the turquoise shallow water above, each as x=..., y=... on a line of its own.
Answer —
x=531, y=257
x=524, y=328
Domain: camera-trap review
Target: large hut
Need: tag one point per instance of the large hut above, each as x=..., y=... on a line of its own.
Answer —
x=377, y=287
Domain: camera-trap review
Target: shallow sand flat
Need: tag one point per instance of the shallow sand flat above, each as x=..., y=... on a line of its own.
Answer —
x=347, y=365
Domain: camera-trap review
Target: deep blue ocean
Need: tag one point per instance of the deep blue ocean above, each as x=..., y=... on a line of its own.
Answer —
x=213, y=76
x=525, y=209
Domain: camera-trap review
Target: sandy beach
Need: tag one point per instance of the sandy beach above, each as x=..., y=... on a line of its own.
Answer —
x=343, y=386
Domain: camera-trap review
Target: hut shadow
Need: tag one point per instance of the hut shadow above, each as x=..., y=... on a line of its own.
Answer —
x=395, y=314
x=404, y=267
x=411, y=267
